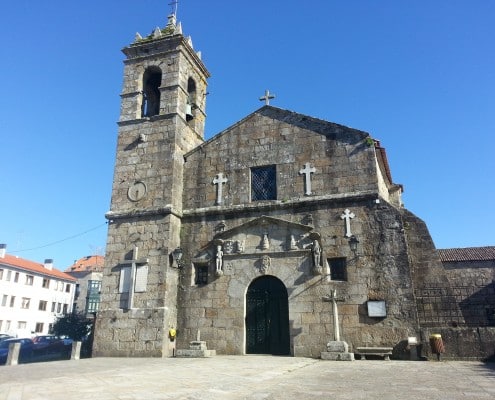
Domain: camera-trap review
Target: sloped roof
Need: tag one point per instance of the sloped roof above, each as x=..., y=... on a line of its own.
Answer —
x=289, y=117
x=33, y=267
x=486, y=253
x=88, y=263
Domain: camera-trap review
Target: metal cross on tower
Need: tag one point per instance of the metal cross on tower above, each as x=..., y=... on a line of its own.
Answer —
x=267, y=97
x=174, y=6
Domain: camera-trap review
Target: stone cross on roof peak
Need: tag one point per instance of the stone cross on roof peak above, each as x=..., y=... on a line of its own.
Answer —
x=267, y=97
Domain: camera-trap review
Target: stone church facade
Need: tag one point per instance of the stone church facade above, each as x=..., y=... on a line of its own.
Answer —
x=245, y=237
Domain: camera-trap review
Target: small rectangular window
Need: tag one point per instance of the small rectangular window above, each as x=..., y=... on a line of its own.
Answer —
x=4, y=300
x=29, y=280
x=42, y=305
x=21, y=325
x=65, y=308
x=264, y=183
x=12, y=301
x=39, y=327
x=201, y=274
x=338, y=269
x=53, y=306
x=25, y=303
x=1, y=273
x=16, y=277
x=46, y=283
x=9, y=275
x=59, y=308
x=67, y=288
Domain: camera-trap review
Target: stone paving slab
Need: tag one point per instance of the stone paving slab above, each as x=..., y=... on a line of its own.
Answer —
x=246, y=377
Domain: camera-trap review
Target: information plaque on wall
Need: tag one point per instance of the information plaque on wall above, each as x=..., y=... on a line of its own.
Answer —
x=377, y=308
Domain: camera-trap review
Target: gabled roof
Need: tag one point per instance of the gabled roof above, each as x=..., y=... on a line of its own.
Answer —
x=33, y=267
x=88, y=263
x=292, y=118
x=486, y=253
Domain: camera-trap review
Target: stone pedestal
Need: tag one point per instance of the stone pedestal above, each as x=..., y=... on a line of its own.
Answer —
x=197, y=349
x=337, y=351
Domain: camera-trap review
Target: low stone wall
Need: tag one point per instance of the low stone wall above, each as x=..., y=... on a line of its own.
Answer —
x=462, y=343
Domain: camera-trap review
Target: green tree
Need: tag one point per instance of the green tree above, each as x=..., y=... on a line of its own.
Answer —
x=76, y=326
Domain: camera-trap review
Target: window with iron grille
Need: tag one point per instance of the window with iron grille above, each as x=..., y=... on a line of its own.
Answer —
x=264, y=183
x=201, y=277
x=338, y=269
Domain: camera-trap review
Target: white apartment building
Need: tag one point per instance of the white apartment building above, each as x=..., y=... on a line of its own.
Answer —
x=32, y=295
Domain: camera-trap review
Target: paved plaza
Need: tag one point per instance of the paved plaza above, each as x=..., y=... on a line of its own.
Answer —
x=246, y=377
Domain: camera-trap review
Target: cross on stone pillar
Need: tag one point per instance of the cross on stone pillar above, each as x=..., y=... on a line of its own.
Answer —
x=267, y=97
x=133, y=262
x=307, y=170
x=219, y=181
x=347, y=215
x=334, y=299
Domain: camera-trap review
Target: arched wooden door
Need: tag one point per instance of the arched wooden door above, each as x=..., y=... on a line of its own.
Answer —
x=267, y=317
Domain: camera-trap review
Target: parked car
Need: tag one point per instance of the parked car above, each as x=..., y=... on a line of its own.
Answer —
x=25, y=353
x=4, y=336
x=48, y=344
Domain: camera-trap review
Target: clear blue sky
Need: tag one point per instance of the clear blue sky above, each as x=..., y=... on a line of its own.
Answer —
x=417, y=75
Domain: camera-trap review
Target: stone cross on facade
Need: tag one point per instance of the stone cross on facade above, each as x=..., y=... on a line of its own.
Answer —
x=307, y=170
x=267, y=97
x=134, y=262
x=219, y=181
x=347, y=215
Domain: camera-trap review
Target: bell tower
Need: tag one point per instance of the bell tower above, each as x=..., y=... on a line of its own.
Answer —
x=162, y=117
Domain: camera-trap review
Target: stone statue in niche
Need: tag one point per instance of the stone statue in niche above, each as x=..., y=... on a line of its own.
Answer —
x=316, y=253
x=219, y=259
x=265, y=264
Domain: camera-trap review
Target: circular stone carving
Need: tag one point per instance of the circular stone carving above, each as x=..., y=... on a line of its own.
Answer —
x=136, y=191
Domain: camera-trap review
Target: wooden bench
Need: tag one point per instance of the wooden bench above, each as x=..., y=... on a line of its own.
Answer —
x=384, y=352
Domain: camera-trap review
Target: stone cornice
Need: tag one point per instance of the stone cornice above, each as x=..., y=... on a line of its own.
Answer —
x=258, y=206
x=143, y=212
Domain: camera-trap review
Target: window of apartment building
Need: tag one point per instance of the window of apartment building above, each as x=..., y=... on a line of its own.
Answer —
x=4, y=300
x=59, y=308
x=12, y=301
x=7, y=326
x=50, y=328
x=46, y=283
x=25, y=302
x=9, y=275
x=264, y=183
x=1, y=273
x=21, y=325
x=29, y=280
x=92, y=305
x=16, y=277
x=338, y=269
x=42, y=305
x=39, y=327
x=65, y=308
x=67, y=288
